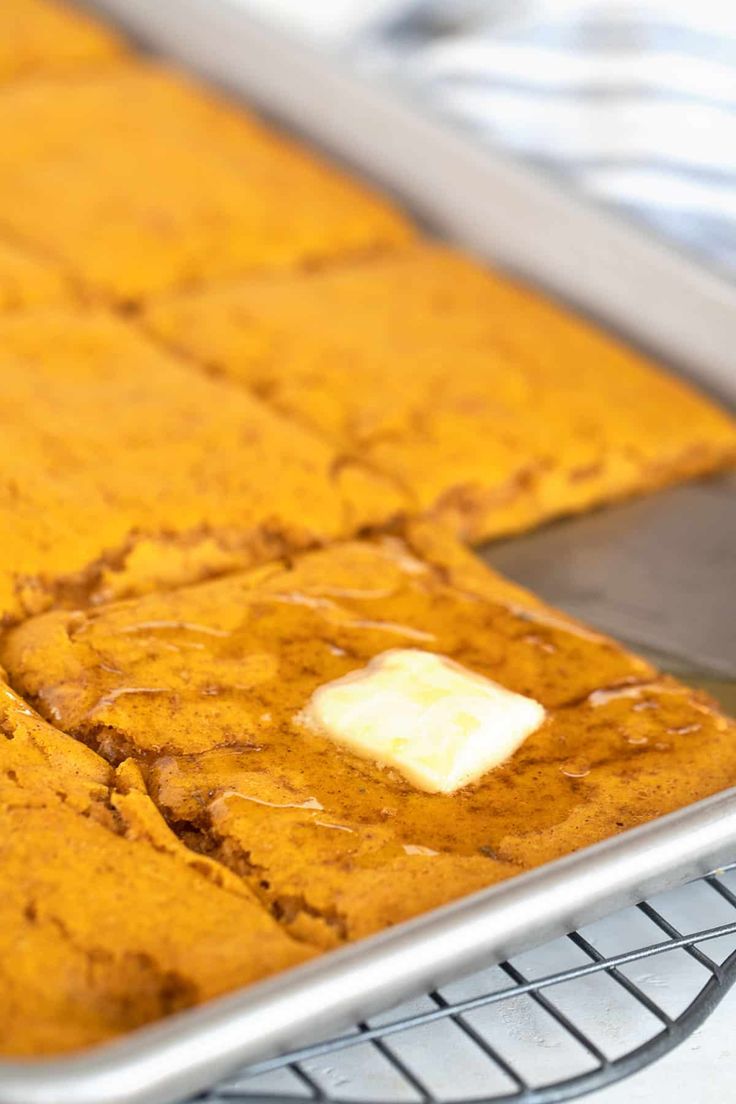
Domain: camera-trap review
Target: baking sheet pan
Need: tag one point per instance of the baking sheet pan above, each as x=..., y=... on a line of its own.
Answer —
x=172, y=1059
x=670, y=558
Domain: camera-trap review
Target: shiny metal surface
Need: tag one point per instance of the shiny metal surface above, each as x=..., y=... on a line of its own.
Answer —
x=175, y=1058
x=632, y=283
x=658, y=572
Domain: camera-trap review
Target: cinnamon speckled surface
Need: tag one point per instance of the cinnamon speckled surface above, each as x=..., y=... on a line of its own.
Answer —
x=123, y=470
x=202, y=687
x=165, y=185
x=107, y=920
x=490, y=406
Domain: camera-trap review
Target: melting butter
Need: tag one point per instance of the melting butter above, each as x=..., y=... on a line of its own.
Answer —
x=434, y=721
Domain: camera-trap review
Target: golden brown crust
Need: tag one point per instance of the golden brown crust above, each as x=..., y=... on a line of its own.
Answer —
x=123, y=470
x=492, y=408
x=165, y=185
x=107, y=921
x=202, y=686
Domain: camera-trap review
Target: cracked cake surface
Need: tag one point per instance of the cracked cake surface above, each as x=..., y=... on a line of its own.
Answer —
x=493, y=408
x=107, y=920
x=203, y=686
x=123, y=470
x=166, y=185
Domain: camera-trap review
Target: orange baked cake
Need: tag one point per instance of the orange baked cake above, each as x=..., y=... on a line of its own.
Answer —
x=165, y=185
x=106, y=920
x=490, y=406
x=208, y=689
x=278, y=706
x=51, y=37
x=27, y=281
x=123, y=469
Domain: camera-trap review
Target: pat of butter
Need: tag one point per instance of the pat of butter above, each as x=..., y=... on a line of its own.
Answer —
x=437, y=723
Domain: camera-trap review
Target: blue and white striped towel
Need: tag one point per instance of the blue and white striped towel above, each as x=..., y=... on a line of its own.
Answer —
x=634, y=101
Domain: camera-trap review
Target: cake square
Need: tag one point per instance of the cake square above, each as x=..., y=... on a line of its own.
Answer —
x=124, y=470
x=107, y=921
x=492, y=407
x=206, y=686
x=165, y=185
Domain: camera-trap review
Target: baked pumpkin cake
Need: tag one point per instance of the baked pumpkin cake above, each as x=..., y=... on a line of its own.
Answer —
x=492, y=408
x=123, y=469
x=257, y=700
x=207, y=690
x=48, y=36
x=107, y=920
x=164, y=185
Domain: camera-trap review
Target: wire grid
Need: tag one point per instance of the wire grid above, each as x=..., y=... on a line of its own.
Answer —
x=572, y=1016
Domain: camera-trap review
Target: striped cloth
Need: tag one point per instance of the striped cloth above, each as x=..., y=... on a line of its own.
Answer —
x=633, y=101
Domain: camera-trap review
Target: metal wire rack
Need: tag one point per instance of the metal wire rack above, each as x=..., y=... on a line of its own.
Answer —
x=551, y=1024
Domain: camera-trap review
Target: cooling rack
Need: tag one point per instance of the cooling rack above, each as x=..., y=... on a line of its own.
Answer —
x=548, y=1025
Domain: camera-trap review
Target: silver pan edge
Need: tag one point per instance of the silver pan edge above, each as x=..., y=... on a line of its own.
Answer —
x=177, y=1057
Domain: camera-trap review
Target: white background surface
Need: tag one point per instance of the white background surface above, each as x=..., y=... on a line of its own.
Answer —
x=701, y=1071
